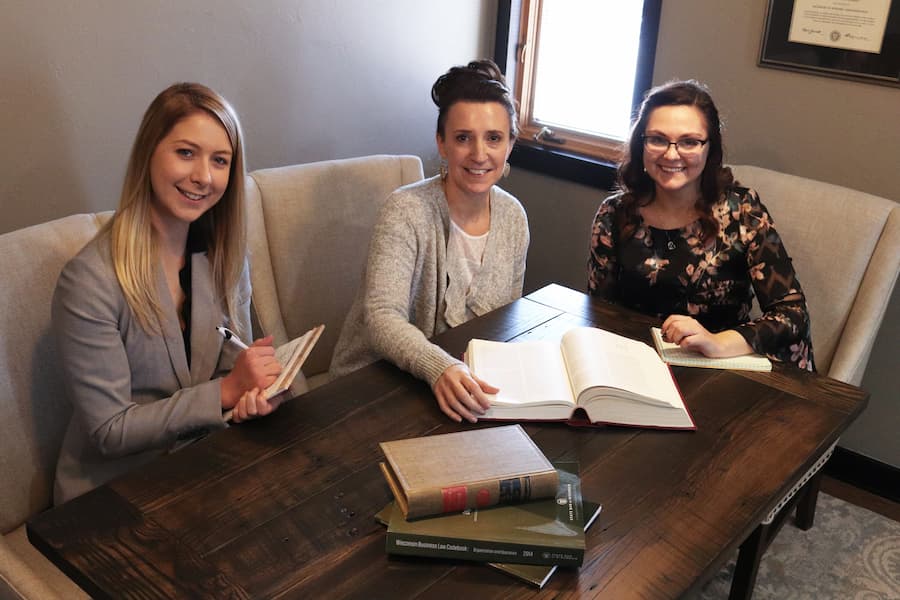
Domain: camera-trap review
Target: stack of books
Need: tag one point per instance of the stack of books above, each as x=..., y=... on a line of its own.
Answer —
x=486, y=495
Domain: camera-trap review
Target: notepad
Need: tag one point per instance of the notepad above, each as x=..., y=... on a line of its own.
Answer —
x=291, y=356
x=676, y=355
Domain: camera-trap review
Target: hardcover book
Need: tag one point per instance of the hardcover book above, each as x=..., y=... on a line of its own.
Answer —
x=539, y=575
x=547, y=532
x=676, y=355
x=613, y=379
x=470, y=469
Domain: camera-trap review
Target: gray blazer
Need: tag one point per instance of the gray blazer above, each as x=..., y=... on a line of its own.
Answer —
x=133, y=395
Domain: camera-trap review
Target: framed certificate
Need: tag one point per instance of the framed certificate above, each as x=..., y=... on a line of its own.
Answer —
x=850, y=39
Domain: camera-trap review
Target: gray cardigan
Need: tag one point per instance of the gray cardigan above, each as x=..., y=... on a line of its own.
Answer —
x=133, y=395
x=400, y=303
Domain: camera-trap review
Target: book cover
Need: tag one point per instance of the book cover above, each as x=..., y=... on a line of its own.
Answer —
x=536, y=575
x=546, y=532
x=469, y=469
x=676, y=355
x=612, y=379
x=539, y=575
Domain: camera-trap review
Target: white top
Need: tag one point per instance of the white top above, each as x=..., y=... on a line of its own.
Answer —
x=464, y=255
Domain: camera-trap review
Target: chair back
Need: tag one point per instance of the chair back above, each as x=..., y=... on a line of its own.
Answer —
x=845, y=247
x=34, y=405
x=309, y=228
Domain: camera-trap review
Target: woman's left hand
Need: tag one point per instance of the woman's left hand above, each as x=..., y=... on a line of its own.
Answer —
x=253, y=404
x=689, y=334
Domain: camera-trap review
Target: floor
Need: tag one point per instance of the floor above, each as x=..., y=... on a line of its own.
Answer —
x=854, y=495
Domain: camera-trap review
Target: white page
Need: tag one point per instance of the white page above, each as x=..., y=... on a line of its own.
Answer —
x=595, y=357
x=525, y=372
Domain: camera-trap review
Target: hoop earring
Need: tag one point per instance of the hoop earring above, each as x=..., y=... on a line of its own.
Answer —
x=443, y=171
x=506, y=169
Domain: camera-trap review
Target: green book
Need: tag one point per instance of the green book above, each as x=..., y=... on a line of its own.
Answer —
x=545, y=532
x=537, y=575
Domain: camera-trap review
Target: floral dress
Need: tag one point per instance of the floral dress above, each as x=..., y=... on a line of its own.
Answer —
x=662, y=272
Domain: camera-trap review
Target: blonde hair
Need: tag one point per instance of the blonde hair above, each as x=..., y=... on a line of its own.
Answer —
x=132, y=238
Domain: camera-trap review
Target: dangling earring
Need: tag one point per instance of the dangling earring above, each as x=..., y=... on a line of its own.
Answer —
x=506, y=169
x=443, y=170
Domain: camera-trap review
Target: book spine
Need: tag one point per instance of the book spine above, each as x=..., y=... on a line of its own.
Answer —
x=509, y=552
x=483, y=494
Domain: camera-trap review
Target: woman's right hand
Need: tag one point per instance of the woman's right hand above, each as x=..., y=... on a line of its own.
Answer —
x=255, y=367
x=253, y=404
x=461, y=395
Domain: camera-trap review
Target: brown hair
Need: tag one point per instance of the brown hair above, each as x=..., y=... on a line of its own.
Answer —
x=478, y=81
x=640, y=189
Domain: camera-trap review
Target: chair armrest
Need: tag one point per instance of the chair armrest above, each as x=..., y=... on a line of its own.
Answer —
x=18, y=580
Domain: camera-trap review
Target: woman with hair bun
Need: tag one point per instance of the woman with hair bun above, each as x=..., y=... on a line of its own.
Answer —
x=446, y=249
x=683, y=241
x=135, y=311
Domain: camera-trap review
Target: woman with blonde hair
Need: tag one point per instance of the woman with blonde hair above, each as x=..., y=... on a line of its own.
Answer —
x=135, y=312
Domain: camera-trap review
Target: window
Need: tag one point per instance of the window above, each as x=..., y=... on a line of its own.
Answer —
x=579, y=69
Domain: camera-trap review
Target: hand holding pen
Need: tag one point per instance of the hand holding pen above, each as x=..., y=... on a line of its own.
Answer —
x=255, y=367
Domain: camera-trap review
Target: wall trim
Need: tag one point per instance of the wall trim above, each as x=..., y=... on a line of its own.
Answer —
x=864, y=472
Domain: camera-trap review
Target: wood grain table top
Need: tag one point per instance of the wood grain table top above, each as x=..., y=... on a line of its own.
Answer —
x=283, y=507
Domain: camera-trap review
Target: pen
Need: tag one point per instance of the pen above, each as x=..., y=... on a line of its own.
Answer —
x=232, y=336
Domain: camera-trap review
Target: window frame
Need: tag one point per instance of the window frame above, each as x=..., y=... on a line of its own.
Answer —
x=581, y=158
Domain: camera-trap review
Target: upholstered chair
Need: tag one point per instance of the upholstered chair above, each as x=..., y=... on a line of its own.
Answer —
x=34, y=407
x=845, y=247
x=309, y=231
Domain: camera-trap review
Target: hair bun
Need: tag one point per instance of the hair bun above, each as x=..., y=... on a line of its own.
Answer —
x=478, y=72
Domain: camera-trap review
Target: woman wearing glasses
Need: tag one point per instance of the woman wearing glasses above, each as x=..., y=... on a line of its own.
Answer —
x=682, y=240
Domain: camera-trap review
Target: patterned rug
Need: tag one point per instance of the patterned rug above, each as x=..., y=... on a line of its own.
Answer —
x=850, y=553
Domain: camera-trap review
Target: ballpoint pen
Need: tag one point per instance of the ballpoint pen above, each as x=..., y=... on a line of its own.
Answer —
x=231, y=336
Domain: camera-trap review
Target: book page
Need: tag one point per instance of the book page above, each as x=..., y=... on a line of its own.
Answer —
x=598, y=358
x=526, y=372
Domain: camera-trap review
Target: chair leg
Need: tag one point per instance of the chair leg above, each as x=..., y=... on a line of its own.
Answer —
x=747, y=565
x=806, y=506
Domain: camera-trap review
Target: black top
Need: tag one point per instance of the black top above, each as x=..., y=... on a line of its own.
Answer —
x=662, y=272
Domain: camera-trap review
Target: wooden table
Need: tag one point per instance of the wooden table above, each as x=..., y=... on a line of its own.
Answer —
x=283, y=507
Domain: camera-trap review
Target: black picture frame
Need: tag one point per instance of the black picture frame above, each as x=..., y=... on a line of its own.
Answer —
x=777, y=52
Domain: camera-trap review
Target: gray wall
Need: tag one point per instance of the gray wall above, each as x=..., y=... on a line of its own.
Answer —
x=842, y=132
x=311, y=80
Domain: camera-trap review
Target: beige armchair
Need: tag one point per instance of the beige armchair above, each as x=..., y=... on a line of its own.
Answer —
x=35, y=411
x=845, y=246
x=310, y=227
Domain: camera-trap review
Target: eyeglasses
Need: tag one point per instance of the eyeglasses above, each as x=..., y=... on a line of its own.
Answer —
x=657, y=143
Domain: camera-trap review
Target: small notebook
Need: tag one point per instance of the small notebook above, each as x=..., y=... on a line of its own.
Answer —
x=675, y=355
x=291, y=356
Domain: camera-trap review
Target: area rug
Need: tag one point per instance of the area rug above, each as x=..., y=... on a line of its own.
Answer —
x=850, y=553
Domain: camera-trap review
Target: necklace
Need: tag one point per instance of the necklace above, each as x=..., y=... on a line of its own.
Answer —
x=663, y=238
x=671, y=244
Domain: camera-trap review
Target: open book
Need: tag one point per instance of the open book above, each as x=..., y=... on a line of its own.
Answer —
x=676, y=355
x=614, y=379
x=291, y=357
